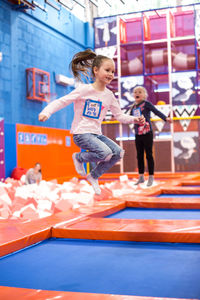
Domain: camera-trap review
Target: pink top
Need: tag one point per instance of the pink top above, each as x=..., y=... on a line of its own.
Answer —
x=90, y=108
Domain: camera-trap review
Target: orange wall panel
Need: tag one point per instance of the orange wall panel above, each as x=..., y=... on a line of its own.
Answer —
x=47, y=146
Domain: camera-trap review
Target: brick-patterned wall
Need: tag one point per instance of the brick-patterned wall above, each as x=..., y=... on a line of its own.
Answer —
x=5, y=65
x=42, y=40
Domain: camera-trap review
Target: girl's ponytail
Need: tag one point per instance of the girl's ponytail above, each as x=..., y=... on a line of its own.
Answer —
x=82, y=62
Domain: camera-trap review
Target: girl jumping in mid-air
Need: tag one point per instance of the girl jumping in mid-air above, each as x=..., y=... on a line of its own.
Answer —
x=144, y=132
x=91, y=103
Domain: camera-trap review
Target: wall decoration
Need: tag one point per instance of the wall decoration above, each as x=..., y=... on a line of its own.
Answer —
x=105, y=32
x=183, y=88
x=185, y=111
x=186, y=151
x=107, y=51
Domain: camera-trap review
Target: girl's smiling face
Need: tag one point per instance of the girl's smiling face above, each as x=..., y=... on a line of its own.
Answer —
x=105, y=73
x=139, y=95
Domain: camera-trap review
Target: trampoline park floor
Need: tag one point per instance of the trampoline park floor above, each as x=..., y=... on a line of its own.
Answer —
x=119, y=248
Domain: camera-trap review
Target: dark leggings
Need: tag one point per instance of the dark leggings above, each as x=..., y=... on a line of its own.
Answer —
x=143, y=143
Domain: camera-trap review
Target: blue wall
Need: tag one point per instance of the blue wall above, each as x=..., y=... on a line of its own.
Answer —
x=42, y=40
x=5, y=65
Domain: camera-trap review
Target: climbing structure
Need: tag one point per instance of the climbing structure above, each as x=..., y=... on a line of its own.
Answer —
x=159, y=50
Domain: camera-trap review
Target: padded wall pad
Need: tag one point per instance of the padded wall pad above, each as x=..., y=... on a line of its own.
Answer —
x=7, y=293
x=172, y=231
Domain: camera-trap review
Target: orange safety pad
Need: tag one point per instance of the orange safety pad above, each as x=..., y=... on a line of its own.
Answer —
x=7, y=293
x=181, y=231
x=153, y=202
x=85, y=223
x=157, y=189
x=158, y=175
x=168, y=178
x=104, y=208
x=16, y=235
x=190, y=182
x=181, y=190
x=170, y=187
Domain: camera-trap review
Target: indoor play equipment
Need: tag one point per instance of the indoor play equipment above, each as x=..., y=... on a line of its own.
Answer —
x=156, y=58
x=60, y=241
x=160, y=50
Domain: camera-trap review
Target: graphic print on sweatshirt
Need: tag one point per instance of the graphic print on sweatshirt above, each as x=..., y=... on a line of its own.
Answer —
x=137, y=112
x=92, y=109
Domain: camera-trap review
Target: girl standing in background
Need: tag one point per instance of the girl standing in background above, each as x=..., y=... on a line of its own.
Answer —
x=144, y=132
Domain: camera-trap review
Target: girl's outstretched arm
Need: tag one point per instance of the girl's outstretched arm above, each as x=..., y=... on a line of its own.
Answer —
x=60, y=103
x=156, y=111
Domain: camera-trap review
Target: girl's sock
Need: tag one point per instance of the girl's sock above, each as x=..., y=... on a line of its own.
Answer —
x=140, y=179
x=95, y=184
x=150, y=180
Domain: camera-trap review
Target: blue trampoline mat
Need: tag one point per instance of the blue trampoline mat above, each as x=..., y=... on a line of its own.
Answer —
x=156, y=213
x=179, y=196
x=130, y=268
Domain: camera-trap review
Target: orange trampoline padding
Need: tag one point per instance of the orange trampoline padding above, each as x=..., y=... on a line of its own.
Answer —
x=16, y=235
x=7, y=293
x=158, y=188
x=180, y=190
x=154, y=202
x=85, y=222
x=190, y=182
x=158, y=175
x=106, y=208
x=170, y=231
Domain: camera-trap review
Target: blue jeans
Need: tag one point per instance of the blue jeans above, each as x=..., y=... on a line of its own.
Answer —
x=101, y=150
